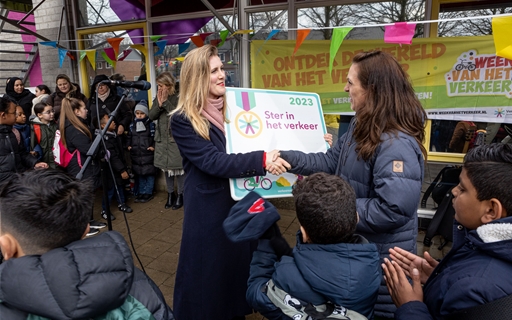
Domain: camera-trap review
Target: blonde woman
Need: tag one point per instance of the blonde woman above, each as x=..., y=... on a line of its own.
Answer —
x=212, y=274
x=167, y=155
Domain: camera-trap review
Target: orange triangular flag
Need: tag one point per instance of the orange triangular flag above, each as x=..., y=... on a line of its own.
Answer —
x=114, y=43
x=197, y=40
x=301, y=36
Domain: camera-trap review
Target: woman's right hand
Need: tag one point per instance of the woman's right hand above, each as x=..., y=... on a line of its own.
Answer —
x=162, y=95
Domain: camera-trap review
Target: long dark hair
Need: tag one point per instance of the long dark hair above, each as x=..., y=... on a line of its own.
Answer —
x=391, y=104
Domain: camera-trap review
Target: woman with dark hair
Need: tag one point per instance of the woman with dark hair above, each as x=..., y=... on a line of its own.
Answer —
x=64, y=89
x=42, y=94
x=381, y=156
x=15, y=89
x=107, y=103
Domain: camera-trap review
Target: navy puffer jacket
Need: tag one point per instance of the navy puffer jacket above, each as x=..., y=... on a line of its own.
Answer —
x=388, y=190
x=13, y=154
x=346, y=274
x=474, y=272
x=142, y=158
x=86, y=279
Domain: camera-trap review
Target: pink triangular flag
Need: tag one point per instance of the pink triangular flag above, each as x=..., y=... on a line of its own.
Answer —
x=400, y=32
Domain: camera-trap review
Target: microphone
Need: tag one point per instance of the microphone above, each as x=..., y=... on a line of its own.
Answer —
x=141, y=85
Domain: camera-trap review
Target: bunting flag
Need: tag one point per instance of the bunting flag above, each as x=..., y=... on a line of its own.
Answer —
x=161, y=47
x=182, y=47
x=156, y=38
x=223, y=35
x=49, y=43
x=107, y=58
x=140, y=47
x=82, y=55
x=114, y=43
x=91, y=56
x=197, y=41
x=215, y=42
x=62, y=55
x=501, y=27
x=270, y=35
x=124, y=54
x=71, y=56
x=110, y=53
x=301, y=36
x=243, y=32
x=400, y=32
x=338, y=34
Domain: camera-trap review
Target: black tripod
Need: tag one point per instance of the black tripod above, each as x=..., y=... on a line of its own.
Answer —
x=105, y=162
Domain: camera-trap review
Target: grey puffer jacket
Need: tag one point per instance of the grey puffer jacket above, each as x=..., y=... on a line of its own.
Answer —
x=388, y=190
x=167, y=154
x=86, y=279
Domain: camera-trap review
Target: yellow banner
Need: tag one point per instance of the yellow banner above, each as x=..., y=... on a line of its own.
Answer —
x=460, y=77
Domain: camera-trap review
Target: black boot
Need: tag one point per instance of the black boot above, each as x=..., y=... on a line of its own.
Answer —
x=171, y=198
x=179, y=202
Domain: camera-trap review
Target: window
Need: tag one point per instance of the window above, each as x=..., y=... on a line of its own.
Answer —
x=99, y=65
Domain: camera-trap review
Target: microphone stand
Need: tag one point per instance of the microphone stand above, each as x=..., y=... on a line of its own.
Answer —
x=103, y=164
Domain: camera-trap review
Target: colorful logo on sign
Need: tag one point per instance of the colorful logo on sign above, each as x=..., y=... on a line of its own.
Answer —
x=247, y=123
x=474, y=74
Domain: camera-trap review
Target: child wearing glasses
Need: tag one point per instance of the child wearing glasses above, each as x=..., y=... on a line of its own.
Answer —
x=43, y=128
x=13, y=154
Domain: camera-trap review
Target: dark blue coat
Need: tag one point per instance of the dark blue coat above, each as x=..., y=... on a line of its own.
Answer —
x=472, y=273
x=388, y=190
x=24, y=129
x=348, y=275
x=211, y=279
x=142, y=158
x=65, y=283
x=14, y=157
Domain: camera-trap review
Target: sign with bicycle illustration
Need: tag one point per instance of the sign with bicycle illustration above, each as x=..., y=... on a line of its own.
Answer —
x=268, y=120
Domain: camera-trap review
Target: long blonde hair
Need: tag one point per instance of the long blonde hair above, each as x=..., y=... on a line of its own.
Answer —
x=167, y=79
x=67, y=111
x=194, y=88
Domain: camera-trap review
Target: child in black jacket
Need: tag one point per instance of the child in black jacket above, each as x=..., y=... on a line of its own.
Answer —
x=116, y=158
x=141, y=144
x=13, y=154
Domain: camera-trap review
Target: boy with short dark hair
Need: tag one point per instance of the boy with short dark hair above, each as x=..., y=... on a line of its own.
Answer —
x=43, y=128
x=330, y=270
x=476, y=270
x=50, y=272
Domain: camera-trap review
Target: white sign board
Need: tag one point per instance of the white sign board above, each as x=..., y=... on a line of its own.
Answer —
x=268, y=120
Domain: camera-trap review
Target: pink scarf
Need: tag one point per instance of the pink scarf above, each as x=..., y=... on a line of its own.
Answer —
x=213, y=112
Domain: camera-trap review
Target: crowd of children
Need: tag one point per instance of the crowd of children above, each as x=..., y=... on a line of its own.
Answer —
x=331, y=273
x=129, y=139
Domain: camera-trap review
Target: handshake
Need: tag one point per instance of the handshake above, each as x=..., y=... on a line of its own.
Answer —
x=275, y=164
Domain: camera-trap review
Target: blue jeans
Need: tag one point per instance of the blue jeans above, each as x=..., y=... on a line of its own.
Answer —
x=111, y=191
x=146, y=184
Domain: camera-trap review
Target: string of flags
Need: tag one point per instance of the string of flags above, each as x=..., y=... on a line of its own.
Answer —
x=397, y=33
